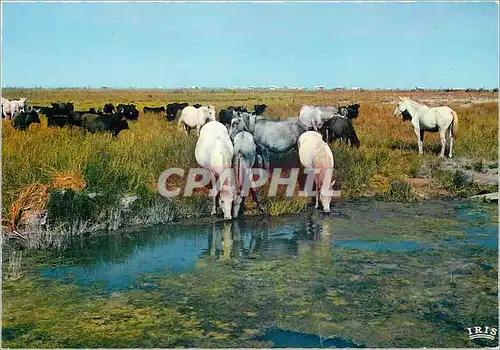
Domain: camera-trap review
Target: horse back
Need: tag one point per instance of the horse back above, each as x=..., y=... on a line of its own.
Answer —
x=436, y=118
x=221, y=155
x=214, y=147
x=189, y=116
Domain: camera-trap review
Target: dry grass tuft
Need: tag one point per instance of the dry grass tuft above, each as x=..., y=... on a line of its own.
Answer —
x=69, y=180
x=31, y=199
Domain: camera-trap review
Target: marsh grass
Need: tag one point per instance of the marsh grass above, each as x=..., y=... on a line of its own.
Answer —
x=478, y=166
x=98, y=165
x=400, y=191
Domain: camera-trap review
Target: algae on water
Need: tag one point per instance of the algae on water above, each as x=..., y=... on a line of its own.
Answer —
x=398, y=276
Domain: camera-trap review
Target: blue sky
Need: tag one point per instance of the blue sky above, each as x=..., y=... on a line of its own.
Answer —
x=144, y=45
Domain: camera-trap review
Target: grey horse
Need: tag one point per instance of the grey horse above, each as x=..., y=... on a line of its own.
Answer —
x=271, y=135
x=244, y=157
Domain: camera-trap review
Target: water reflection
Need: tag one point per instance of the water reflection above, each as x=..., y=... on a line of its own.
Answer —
x=117, y=260
x=242, y=239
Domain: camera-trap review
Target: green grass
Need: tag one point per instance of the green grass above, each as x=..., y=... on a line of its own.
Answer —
x=400, y=191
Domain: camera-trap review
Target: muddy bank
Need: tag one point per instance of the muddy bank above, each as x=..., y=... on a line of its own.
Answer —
x=461, y=177
x=481, y=173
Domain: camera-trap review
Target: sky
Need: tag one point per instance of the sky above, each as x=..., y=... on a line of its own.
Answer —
x=171, y=45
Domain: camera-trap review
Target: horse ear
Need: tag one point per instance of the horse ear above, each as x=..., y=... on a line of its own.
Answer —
x=400, y=98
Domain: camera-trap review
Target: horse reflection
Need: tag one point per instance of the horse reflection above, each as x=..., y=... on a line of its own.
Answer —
x=227, y=242
x=248, y=239
x=230, y=241
x=317, y=232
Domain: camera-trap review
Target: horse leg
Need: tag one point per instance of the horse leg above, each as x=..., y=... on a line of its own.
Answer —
x=265, y=159
x=258, y=161
x=451, y=142
x=442, y=136
x=214, y=207
x=317, y=188
x=215, y=187
x=420, y=140
x=256, y=199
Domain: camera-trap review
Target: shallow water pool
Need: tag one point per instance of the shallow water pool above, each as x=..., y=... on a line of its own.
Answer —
x=377, y=274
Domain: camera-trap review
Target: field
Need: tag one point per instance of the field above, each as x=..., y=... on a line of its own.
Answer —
x=97, y=171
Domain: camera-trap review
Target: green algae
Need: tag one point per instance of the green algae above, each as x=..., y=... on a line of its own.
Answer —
x=374, y=298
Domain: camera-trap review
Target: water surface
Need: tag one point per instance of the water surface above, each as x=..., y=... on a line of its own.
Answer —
x=369, y=274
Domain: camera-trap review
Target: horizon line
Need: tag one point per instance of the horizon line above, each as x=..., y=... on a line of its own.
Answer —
x=197, y=88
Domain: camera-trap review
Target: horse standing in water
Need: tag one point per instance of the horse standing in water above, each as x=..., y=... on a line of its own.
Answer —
x=432, y=119
x=214, y=151
x=244, y=157
x=314, y=153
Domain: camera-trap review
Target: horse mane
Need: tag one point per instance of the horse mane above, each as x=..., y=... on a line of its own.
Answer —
x=417, y=104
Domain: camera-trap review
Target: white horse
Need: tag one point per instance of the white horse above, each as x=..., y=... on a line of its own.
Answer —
x=314, y=153
x=313, y=117
x=193, y=117
x=423, y=118
x=11, y=108
x=214, y=151
x=5, y=107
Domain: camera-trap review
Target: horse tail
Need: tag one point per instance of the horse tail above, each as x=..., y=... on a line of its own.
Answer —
x=242, y=164
x=238, y=172
x=454, y=123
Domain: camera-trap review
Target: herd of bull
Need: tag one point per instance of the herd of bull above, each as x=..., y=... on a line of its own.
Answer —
x=338, y=124
x=109, y=119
